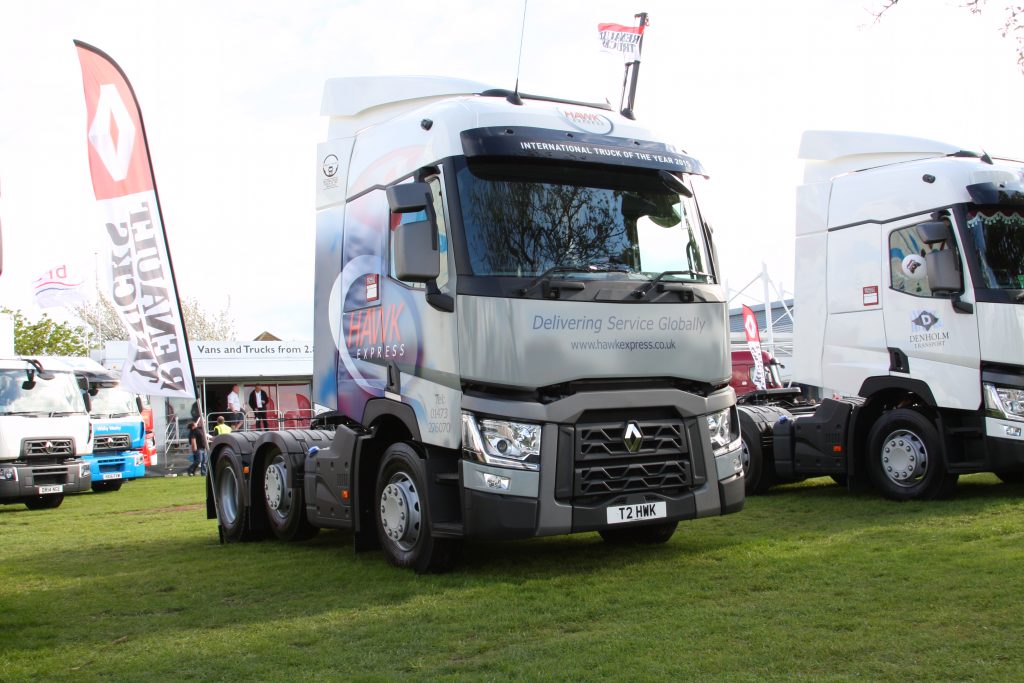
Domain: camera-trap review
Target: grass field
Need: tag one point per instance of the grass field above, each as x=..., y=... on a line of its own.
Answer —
x=808, y=583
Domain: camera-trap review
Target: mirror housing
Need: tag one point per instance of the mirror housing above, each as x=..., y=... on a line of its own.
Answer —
x=408, y=197
x=417, y=258
x=943, y=271
x=933, y=232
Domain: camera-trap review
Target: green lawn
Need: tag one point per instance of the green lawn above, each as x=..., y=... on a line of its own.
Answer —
x=808, y=583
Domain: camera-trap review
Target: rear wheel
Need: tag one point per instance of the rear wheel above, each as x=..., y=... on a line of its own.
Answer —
x=228, y=491
x=403, y=515
x=906, y=459
x=286, y=505
x=649, y=534
x=104, y=486
x=46, y=502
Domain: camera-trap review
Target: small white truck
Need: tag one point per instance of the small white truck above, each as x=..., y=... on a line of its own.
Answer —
x=44, y=431
x=910, y=297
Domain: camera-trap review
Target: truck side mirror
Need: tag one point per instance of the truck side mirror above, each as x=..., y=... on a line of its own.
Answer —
x=408, y=197
x=933, y=232
x=943, y=272
x=138, y=402
x=417, y=258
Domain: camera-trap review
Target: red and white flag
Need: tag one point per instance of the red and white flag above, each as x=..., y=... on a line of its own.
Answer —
x=754, y=344
x=60, y=286
x=624, y=40
x=138, y=266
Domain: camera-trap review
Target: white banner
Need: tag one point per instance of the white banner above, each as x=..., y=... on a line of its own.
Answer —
x=754, y=344
x=624, y=40
x=138, y=268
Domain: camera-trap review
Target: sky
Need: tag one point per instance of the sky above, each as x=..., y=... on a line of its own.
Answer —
x=230, y=94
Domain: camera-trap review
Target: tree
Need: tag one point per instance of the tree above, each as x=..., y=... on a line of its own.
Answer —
x=47, y=337
x=1013, y=24
x=200, y=325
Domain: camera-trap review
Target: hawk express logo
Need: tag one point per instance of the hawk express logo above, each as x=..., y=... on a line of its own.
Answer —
x=926, y=330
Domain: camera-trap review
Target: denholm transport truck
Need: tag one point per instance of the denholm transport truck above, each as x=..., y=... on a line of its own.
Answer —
x=519, y=331
x=44, y=432
x=910, y=289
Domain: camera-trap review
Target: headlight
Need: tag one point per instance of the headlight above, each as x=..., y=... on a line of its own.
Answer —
x=501, y=443
x=1005, y=400
x=84, y=471
x=9, y=473
x=724, y=428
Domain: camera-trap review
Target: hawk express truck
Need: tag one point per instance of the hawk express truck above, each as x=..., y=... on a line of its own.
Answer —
x=910, y=287
x=519, y=332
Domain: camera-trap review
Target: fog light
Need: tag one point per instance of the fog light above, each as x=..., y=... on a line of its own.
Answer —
x=9, y=473
x=496, y=481
x=1012, y=431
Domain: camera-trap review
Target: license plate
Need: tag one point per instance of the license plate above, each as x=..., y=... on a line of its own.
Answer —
x=618, y=514
x=56, y=488
x=112, y=475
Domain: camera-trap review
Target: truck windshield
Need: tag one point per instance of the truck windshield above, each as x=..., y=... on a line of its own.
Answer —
x=114, y=402
x=524, y=220
x=60, y=394
x=998, y=235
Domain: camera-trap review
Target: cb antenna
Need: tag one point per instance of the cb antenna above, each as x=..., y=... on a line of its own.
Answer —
x=514, y=97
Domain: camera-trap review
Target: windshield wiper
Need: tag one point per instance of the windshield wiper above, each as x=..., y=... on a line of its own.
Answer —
x=641, y=291
x=24, y=413
x=63, y=413
x=589, y=268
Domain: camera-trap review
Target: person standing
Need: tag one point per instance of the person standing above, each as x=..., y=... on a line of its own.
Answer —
x=197, y=441
x=258, y=400
x=235, y=408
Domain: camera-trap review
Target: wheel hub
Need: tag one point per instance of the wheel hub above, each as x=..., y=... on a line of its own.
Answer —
x=904, y=457
x=274, y=488
x=745, y=457
x=400, y=511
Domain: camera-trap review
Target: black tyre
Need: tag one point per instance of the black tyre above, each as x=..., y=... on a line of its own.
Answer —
x=46, y=502
x=649, y=534
x=403, y=515
x=286, y=505
x=230, y=502
x=758, y=467
x=104, y=486
x=906, y=459
x=1010, y=477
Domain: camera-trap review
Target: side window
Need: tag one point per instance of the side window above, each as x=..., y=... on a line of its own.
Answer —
x=906, y=262
x=442, y=229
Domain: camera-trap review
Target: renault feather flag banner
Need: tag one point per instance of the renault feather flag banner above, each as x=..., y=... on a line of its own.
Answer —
x=624, y=40
x=63, y=285
x=754, y=344
x=138, y=265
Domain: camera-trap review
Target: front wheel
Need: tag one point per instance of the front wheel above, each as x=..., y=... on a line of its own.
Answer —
x=286, y=505
x=649, y=534
x=403, y=515
x=46, y=502
x=104, y=486
x=906, y=459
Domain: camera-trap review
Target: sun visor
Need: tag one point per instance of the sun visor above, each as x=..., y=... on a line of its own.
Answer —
x=543, y=143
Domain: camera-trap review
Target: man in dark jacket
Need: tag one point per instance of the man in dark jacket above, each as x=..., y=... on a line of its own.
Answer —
x=258, y=402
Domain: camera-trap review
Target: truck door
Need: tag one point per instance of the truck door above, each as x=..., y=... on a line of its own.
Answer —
x=928, y=338
x=421, y=335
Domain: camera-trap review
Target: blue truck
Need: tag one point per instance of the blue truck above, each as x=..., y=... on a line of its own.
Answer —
x=119, y=430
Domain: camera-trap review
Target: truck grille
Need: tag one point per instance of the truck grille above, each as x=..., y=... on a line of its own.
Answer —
x=48, y=448
x=105, y=443
x=604, y=465
x=43, y=476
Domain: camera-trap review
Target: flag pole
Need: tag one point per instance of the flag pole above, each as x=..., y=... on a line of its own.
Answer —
x=628, y=110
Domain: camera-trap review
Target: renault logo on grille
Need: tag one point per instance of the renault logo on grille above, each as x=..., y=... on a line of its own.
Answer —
x=48, y=446
x=633, y=438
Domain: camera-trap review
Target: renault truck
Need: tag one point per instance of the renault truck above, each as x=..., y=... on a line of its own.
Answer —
x=44, y=433
x=520, y=331
x=910, y=309
x=119, y=427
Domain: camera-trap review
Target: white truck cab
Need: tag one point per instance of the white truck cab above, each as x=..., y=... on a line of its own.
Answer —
x=910, y=284
x=44, y=431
